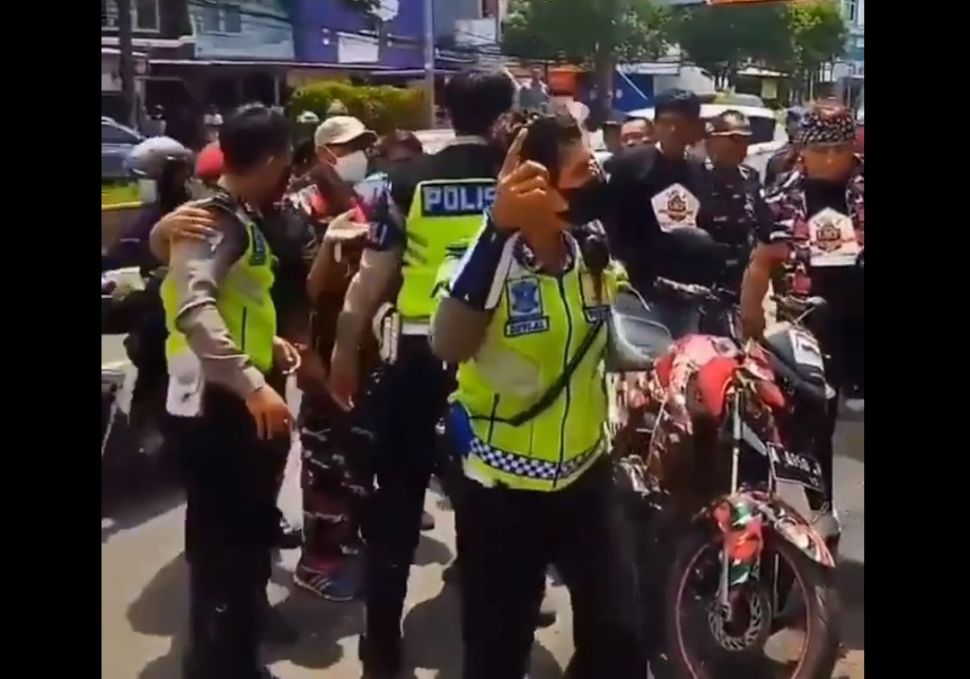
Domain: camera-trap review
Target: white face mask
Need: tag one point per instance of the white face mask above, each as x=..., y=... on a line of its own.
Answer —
x=352, y=168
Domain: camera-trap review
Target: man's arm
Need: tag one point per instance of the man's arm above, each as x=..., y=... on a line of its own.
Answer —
x=461, y=321
x=773, y=249
x=380, y=263
x=197, y=269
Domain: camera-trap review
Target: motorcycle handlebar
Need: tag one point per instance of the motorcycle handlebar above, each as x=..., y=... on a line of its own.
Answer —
x=693, y=291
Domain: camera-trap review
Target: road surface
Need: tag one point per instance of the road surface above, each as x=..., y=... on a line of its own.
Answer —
x=144, y=607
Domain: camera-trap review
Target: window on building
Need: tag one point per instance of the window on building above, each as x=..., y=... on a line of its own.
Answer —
x=232, y=19
x=144, y=14
x=209, y=19
x=860, y=42
x=852, y=10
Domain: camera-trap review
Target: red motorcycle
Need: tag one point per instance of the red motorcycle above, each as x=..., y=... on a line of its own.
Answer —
x=715, y=442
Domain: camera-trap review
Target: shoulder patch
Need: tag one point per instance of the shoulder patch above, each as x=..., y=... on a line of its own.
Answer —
x=260, y=251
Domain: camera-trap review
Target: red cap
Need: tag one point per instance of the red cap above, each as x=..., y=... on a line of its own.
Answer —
x=209, y=163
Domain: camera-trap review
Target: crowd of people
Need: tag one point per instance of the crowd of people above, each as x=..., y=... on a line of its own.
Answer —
x=443, y=314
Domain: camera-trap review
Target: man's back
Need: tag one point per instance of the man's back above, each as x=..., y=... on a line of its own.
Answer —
x=455, y=161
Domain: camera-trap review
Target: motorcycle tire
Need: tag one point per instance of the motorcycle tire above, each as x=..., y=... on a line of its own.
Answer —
x=820, y=647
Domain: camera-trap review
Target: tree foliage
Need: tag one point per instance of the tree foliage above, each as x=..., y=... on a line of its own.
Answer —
x=721, y=38
x=580, y=30
x=792, y=36
x=818, y=33
x=595, y=33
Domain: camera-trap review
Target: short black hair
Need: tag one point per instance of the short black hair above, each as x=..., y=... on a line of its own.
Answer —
x=638, y=119
x=684, y=102
x=475, y=99
x=544, y=137
x=250, y=135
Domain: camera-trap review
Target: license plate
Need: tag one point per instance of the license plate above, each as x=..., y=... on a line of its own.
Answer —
x=796, y=467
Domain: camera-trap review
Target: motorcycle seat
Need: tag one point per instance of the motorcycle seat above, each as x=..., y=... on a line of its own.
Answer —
x=637, y=339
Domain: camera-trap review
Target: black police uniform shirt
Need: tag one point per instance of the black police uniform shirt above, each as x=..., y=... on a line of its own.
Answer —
x=646, y=196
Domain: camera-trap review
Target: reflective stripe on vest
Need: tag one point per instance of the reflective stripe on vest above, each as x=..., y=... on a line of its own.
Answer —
x=445, y=215
x=537, y=327
x=243, y=302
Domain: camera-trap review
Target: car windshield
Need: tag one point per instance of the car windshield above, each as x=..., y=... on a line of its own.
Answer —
x=115, y=134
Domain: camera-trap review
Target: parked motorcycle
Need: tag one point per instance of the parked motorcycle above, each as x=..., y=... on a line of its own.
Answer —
x=132, y=398
x=715, y=441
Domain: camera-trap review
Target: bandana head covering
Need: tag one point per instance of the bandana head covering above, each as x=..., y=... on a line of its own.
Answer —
x=827, y=125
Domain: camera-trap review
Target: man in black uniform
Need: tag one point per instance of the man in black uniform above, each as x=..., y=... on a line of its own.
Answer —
x=414, y=387
x=222, y=344
x=653, y=191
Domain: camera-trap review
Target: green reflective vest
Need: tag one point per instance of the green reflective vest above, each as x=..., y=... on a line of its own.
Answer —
x=243, y=301
x=536, y=329
x=445, y=215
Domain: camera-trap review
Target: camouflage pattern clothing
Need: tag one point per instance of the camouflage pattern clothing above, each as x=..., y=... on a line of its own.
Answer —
x=337, y=446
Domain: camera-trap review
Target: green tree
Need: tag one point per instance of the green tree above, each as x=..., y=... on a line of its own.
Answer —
x=818, y=36
x=724, y=38
x=595, y=33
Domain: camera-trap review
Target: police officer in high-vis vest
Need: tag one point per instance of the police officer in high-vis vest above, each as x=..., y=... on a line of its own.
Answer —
x=525, y=317
x=222, y=343
x=435, y=206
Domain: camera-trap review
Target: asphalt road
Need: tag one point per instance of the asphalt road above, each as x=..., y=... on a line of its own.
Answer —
x=144, y=607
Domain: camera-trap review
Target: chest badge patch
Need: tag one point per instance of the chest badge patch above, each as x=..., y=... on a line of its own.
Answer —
x=675, y=207
x=832, y=239
x=524, y=299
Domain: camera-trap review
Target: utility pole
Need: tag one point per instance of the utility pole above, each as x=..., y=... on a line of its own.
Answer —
x=126, y=62
x=429, y=58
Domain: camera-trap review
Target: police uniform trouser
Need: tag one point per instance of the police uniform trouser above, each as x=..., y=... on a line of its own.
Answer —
x=509, y=538
x=409, y=400
x=230, y=526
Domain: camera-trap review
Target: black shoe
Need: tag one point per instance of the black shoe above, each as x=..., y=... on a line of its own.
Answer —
x=380, y=660
x=277, y=629
x=289, y=536
x=427, y=521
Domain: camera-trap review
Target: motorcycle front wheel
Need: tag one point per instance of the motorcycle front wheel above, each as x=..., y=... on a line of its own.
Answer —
x=782, y=622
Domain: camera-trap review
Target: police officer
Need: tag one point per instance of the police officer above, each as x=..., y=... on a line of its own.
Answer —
x=524, y=317
x=222, y=343
x=435, y=205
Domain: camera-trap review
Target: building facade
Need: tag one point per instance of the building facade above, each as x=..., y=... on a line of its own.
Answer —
x=242, y=29
x=854, y=13
x=392, y=36
x=160, y=30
